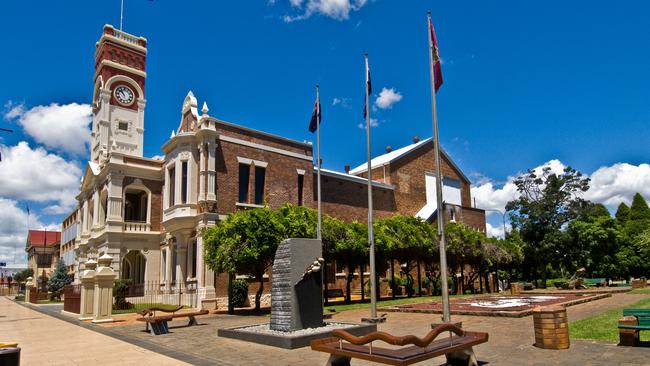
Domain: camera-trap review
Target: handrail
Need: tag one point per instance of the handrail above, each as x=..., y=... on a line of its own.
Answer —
x=398, y=341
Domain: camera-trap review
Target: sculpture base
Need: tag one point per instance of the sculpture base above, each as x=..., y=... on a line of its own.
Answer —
x=290, y=340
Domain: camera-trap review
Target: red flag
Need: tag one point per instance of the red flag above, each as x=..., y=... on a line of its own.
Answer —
x=435, y=57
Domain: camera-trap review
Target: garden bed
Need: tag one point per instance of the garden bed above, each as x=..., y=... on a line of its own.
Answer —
x=509, y=306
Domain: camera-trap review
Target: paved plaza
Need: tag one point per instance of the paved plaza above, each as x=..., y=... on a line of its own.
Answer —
x=510, y=341
x=45, y=340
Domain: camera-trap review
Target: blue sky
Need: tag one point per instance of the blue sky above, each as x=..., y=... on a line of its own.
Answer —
x=525, y=83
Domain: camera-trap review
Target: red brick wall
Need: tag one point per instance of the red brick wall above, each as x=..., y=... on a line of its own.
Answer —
x=281, y=180
x=348, y=200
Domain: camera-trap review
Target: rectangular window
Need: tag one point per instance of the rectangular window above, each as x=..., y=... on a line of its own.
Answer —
x=244, y=173
x=184, y=182
x=123, y=126
x=301, y=181
x=260, y=174
x=163, y=265
x=172, y=186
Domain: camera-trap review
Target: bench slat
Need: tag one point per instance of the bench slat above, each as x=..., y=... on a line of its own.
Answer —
x=636, y=312
x=401, y=356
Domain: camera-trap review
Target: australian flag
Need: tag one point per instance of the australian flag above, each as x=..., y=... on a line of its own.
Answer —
x=368, y=88
x=315, y=116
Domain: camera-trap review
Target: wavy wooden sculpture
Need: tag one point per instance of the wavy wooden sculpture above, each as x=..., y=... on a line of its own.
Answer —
x=398, y=340
x=343, y=346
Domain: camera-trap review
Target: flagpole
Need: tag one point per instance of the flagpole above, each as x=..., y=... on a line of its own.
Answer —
x=441, y=212
x=320, y=223
x=121, y=12
x=371, y=237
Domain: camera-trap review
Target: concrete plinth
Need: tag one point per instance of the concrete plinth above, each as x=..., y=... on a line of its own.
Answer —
x=103, y=299
x=87, y=280
x=289, y=340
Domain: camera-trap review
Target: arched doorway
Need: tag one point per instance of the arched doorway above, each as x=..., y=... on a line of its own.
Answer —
x=133, y=266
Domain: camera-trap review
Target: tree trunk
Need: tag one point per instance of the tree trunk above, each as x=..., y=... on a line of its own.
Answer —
x=392, y=276
x=480, y=279
x=544, y=277
x=258, y=295
x=419, y=279
x=231, y=306
x=362, y=267
x=348, y=282
x=462, y=278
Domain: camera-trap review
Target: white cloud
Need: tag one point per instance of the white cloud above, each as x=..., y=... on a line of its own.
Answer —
x=63, y=127
x=373, y=123
x=610, y=185
x=36, y=175
x=342, y=101
x=13, y=110
x=13, y=229
x=388, y=97
x=490, y=197
x=336, y=9
x=618, y=183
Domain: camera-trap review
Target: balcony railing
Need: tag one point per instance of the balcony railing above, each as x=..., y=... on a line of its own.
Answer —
x=126, y=37
x=136, y=227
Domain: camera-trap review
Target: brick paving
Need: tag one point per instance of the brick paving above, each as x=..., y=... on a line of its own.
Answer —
x=510, y=342
x=45, y=340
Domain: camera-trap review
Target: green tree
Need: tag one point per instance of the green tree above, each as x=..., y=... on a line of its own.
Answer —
x=22, y=276
x=638, y=218
x=622, y=213
x=298, y=221
x=546, y=202
x=594, y=245
x=59, y=279
x=245, y=242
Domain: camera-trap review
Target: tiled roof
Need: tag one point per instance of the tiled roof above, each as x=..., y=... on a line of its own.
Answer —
x=43, y=238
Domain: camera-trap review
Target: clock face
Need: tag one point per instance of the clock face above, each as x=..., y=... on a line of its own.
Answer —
x=124, y=95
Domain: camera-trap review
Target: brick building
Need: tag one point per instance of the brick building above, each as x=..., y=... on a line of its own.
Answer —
x=43, y=248
x=148, y=214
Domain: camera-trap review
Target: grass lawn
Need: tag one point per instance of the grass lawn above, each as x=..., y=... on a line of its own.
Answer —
x=139, y=307
x=604, y=327
x=645, y=291
x=400, y=301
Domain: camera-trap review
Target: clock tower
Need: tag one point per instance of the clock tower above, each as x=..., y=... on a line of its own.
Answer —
x=118, y=95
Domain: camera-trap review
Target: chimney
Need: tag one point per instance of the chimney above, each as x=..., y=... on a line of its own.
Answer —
x=347, y=169
x=389, y=148
x=416, y=139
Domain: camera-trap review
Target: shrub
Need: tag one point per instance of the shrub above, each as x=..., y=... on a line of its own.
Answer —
x=120, y=290
x=239, y=293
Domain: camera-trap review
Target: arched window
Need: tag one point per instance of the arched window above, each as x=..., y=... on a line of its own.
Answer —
x=133, y=267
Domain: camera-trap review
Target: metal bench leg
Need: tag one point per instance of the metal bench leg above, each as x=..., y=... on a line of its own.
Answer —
x=337, y=360
x=464, y=357
x=192, y=321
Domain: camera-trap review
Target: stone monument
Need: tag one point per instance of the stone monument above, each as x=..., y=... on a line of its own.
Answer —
x=297, y=287
x=296, y=301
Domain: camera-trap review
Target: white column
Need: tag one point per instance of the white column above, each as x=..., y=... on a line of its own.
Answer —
x=115, y=184
x=96, y=204
x=212, y=171
x=84, y=220
x=202, y=171
x=179, y=181
x=205, y=277
x=168, y=264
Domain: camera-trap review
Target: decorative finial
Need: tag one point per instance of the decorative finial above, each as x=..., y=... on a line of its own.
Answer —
x=205, y=108
x=173, y=134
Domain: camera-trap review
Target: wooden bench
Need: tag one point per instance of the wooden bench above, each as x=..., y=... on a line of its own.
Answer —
x=421, y=349
x=598, y=282
x=334, y=292
x=158, y=323
x=629, y=326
